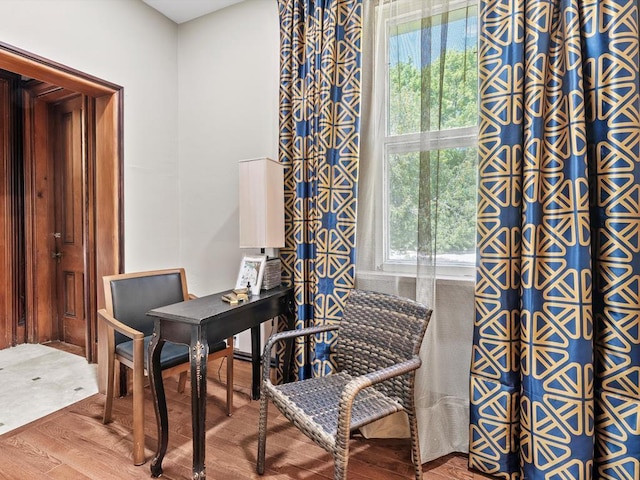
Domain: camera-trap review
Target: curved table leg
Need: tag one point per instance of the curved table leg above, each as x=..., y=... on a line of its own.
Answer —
x=290, y=315
x=199, y=355
x=255, y=362
x=159, y=403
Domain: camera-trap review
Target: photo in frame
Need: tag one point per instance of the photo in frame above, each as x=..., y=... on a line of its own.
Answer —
x=251, y=272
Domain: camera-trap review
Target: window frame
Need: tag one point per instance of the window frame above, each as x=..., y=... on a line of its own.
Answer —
x=412, y=143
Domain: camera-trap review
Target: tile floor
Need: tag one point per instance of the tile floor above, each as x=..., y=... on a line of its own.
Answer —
x=37, y=380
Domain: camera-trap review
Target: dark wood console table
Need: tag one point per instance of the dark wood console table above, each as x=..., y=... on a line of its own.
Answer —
x=197, y=323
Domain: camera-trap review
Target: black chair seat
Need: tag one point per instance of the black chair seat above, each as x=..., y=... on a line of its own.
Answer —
x=172, y=353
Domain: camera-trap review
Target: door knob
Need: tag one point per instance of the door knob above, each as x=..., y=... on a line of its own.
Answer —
x=57, y=256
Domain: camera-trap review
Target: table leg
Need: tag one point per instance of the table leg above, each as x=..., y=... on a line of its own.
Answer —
x=159, y=403
x=255, y=362
x=199, y=355
x=288, y=349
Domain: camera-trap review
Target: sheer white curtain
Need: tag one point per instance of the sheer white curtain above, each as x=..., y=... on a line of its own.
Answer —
x=407, y=124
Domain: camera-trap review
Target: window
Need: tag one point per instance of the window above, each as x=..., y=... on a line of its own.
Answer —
x=431, y=134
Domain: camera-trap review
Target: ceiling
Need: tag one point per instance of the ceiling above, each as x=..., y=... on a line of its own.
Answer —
x=181, y=11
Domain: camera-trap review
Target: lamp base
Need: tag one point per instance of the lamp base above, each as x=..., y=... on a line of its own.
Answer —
x=272, y=276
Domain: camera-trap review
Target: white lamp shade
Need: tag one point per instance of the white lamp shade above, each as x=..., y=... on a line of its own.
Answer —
x=261, y=203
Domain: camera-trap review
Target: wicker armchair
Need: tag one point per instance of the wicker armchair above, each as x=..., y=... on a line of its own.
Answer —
x=376, y=352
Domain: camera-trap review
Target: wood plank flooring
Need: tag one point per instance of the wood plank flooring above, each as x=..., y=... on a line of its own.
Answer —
x=74, y=444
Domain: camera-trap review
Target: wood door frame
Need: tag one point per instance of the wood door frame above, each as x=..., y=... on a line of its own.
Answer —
x=12, y=326
x=105, y=211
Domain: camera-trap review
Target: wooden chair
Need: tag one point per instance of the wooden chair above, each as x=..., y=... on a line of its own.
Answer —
x=379, y=338
x=128, y=297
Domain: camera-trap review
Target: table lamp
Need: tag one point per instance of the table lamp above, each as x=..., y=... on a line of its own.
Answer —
x=261, y=211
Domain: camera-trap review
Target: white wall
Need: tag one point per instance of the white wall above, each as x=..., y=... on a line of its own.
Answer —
x=228, y=111
x=198, y=97
x=127, y=43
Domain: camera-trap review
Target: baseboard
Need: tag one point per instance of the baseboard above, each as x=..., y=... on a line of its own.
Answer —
x=246, y=356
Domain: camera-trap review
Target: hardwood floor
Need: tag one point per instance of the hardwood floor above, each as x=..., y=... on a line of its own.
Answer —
x=74, y=444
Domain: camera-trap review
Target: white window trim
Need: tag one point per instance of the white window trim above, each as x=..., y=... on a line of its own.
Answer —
x=406, y=143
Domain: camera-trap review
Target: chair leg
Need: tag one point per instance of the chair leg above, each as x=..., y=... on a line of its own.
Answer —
x=108, y=404
x=340, y=469
x=341, y=456
x=182, y=381
x=230, y=383
x=415, y=446
x=262, y=432
x=124, y=381
x=138, y=406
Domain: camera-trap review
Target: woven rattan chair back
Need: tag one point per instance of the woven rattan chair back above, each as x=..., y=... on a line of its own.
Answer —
x=379, y=330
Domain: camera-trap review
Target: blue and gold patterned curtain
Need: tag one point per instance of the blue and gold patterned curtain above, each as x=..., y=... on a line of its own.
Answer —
x=320, y=46
x=555, y=374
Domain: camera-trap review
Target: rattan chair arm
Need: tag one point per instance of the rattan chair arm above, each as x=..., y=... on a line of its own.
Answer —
x=287, y=334
x=118, y=326
x=353, y=387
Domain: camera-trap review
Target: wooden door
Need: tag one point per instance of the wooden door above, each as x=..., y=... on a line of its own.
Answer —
x=69, y=219
x=28, y=274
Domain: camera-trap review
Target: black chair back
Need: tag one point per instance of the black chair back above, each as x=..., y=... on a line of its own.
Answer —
x=133, y=297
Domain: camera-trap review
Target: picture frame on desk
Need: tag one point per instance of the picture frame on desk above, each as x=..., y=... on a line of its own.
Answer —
x=251, y=272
